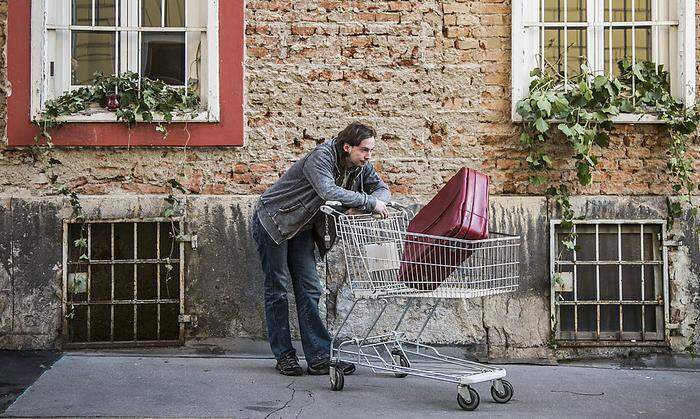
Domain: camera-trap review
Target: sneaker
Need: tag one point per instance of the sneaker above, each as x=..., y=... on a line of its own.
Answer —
x=288, y=364
x=322, y=366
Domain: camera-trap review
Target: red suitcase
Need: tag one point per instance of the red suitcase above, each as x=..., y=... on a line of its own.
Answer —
x=459, y=210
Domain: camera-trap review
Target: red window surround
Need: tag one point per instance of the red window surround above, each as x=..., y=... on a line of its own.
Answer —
x=227, y=132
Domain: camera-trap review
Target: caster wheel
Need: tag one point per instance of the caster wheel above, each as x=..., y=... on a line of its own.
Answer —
x=400, y=359
x=505, y=396
x=471, y=405
x=337, y=378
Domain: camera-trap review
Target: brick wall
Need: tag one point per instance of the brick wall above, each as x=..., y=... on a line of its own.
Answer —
x=432, y=76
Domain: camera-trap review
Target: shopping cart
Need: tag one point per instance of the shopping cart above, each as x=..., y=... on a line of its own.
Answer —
x=385, y=262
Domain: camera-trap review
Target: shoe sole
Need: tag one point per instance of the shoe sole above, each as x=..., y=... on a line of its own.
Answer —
x=326, y=371
x=291, y=373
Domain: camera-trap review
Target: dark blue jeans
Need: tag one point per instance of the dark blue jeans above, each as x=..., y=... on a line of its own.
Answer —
x=293, y=259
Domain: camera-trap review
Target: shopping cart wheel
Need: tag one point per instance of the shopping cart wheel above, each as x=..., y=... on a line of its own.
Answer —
x=401, y=359
x=337, y=378
x=473, y=404
x=505, y=396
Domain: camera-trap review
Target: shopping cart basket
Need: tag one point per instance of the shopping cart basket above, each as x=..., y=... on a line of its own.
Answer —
x=381, y=268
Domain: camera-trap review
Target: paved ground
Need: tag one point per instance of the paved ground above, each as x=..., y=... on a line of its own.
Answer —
x=19, y=369
x=128, y=384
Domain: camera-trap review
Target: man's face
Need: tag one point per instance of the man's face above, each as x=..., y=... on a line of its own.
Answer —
x=360, y=154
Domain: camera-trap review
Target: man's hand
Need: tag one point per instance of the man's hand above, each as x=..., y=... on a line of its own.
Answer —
x=381, y=209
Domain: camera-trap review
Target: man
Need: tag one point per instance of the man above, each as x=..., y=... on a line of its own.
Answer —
x=288, y=224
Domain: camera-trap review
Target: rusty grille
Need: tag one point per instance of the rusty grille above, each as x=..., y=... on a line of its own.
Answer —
x=123, y=283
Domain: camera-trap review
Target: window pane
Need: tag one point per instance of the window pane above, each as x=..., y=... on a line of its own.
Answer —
x=146, y=241
x=91, y=52
x=650, y=313
x=564, y=253
x=169, y=323
x=609, y=318
x=151, y=13
x=631, y=244
x=147, y=323
x=632, y=318
x=100, y=241
x=632, y=283
x=123, y=322
x=586, y=243
x=554, y=50
x=163, y=57
x=609, y=282
x=81, y=12
x=100, y=283
x=105, y=12
x=175, y=13
x=147, y=283
x=100, y=323
x=622, y=46
x=607, y=240
x=622, y=10
x=586, y=318
x=554, y=10
x=566, y=318
x=585, y=283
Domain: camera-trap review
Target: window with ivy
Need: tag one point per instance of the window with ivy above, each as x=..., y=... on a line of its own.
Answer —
x=166, y=40
x=561, y=36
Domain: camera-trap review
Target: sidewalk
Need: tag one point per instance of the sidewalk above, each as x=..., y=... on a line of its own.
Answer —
x=170, y=384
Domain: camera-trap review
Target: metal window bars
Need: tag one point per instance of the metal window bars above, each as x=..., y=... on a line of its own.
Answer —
x=128, y=287
x=597, y=23
x=613, y=289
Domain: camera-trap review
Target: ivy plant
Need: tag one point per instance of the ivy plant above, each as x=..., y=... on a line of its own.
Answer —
x=582, y=111
x=133, y=99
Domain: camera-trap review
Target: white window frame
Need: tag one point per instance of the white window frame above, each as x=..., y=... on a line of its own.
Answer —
x=527, y=46
x=44, y=86
x=595, y=338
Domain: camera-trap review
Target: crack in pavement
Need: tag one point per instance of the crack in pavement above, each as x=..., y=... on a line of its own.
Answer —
x=312, y=401
x=289, y=386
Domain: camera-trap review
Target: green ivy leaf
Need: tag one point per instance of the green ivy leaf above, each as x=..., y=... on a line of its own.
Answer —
x=602, y=139
x=569, y=245
x=541, y=125
x=544, y=105
x=565, y=129
x=537, y=180
x=599, y=82
x=525, y=139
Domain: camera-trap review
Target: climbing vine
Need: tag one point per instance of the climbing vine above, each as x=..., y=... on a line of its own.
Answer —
x=132, y=99
x=582, y=111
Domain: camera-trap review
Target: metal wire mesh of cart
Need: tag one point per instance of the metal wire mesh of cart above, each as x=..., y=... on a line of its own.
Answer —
x=384, y=259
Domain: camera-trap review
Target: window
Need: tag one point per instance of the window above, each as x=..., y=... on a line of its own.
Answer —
x=56, y=44
x=614, y=288
x=160, y=39
x=560, y=35
x=124, y=286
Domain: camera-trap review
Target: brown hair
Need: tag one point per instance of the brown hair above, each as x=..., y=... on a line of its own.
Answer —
x=353, y=135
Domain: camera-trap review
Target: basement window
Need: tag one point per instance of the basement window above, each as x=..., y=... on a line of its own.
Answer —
x=123, y=283
x=613, y=289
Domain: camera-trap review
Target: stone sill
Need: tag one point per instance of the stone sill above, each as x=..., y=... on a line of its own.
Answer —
x=103, y=116
x=623, y=118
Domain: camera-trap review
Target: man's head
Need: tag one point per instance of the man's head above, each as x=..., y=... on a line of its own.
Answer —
x=355, y=144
